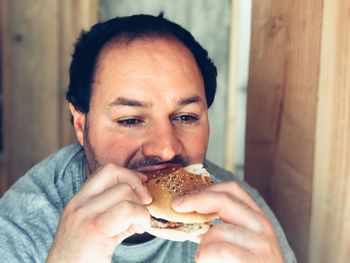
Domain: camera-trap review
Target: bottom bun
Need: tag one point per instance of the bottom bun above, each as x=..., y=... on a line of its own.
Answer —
x=177, y=235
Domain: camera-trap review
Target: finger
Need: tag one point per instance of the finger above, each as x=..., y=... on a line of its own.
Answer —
x=121, y=216
x=124, y=235
x=230, y=209
x=235, y=190
x=111, y=175
x=233, y=234
x=109, y=198
x=223, y=252
x=261, y=245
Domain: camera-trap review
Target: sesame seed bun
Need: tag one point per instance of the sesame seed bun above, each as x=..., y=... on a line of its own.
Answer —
x=164, y=186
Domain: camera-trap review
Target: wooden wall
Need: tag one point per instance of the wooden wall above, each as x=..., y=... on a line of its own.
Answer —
x=330, y=218
x=298, y=122
x=37, y=38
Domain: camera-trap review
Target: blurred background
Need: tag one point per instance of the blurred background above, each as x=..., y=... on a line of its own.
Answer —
x=280, y=120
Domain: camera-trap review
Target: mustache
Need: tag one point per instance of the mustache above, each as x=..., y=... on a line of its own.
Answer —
x=148, y=161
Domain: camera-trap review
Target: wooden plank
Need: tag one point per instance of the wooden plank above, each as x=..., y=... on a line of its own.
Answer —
x=4, y=102
x=229, y=162
x=4, y=45
x=330, y=219
x=37, y=39
x=75, y=16
x=32, y=37
x=282, y=96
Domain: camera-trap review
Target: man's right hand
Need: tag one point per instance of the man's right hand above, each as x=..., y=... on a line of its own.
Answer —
x=109, y=208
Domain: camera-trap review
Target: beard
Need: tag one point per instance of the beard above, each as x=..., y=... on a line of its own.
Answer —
x=92, y=160
x=94, y=163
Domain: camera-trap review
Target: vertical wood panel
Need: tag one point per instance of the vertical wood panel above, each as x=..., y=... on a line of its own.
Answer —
x=4, y=94
x=32, y=35
x=282, y=96
x=231, y=121
x=76, y=16
x=37, y=38
x=330, y=221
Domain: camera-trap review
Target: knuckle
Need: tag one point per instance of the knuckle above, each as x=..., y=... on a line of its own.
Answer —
x=216, y=232
x=74, y=209
x=265, y=227
x=226, y=197
x=126, y=207
x=125, y=188
x=233, y=185
x=219, y=228
x=219, y=250
x=70, y=207
x=82, y=219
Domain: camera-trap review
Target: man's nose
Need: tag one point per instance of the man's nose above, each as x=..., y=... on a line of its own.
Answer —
x=162, y=142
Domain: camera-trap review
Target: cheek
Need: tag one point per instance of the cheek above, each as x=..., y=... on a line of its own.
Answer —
x=196, y=143
x=119, y=151
x=114, y=148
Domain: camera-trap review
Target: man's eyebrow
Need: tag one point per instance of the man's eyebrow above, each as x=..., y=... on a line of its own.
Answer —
x=121, y=101
x=189, y=100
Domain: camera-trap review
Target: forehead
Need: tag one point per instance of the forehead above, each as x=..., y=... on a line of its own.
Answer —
x=165, y=50
x=146, y=64
x=125, y=44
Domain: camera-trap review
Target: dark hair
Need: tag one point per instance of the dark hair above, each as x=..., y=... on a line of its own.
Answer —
x=90, y=44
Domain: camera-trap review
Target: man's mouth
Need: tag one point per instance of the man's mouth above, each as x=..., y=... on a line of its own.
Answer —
x=157, y=167
x=151, y=164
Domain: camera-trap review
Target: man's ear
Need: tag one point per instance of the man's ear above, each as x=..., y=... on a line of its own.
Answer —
x=78, y=123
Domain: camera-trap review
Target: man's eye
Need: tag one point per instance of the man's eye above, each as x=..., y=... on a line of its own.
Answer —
x=187, y=118
x=129, y=122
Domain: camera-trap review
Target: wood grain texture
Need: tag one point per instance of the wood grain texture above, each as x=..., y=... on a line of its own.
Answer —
x=330, y=220
x=231, y=121
x=37, y=38
x=32, y=35
x=75, y=16
x=281, y=114
x=4, y=99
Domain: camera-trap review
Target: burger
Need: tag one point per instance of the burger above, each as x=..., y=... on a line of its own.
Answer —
x=165, y=185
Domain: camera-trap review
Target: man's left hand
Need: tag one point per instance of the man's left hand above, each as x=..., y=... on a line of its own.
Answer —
x=245, y=233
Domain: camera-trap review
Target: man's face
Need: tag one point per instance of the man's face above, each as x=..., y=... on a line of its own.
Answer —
x=147, y=108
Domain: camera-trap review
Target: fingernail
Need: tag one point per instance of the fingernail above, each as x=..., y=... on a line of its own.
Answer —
x=178, y=201
x=143, y=178
x=147, y=200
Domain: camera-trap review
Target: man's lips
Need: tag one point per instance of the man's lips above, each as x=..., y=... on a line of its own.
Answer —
x=157, y=167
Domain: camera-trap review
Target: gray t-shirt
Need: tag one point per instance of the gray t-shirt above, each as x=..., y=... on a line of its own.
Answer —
x=31, y=208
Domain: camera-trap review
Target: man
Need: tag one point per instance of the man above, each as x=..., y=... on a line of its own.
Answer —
x=139, y=93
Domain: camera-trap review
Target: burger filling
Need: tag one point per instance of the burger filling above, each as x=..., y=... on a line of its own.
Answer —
x=161, y=223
